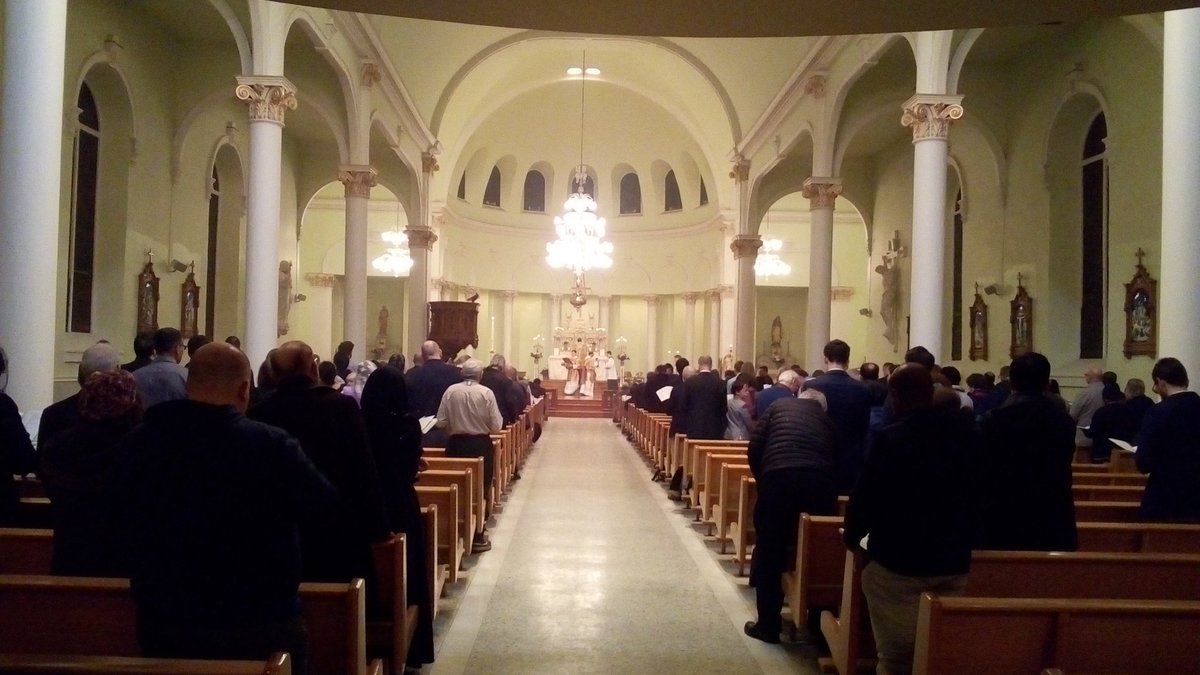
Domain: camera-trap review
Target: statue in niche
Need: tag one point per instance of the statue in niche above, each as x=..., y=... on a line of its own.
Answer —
x=776, y=354
x=1141, y=312
x=979, y=319
x=1021, y=318
x=285, y=297
x=383, y=321
x=727, y=361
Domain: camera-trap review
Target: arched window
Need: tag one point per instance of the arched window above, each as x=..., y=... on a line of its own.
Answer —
x=631, y=194
x=673, y=201
x=1094, y=240
x=491, y=193
x=703, y=193
x=956, y=323
x=214, y=222
x=86, y=173
x=588, y=187
x=462, y=186
x=535, y=192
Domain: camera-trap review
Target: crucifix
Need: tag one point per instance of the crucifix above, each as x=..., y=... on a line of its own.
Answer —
x=1020, y=278
x=1140, y=254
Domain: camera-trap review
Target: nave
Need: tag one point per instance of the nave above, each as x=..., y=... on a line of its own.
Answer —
x=594, y=570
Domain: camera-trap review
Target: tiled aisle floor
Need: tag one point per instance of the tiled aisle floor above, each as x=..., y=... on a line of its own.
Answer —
x=594, y=571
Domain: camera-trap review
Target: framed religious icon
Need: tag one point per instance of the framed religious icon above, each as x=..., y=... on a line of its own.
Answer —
x=147, y=297
x=1021, y=320
x=189, y=304
x=1141, y=312
x=979, y=328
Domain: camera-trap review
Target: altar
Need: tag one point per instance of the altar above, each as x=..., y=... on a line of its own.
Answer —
x=575, y=341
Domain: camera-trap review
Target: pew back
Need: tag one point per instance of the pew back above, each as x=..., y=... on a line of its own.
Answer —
x=45, y=664
x=449, y=543
x=26, y=551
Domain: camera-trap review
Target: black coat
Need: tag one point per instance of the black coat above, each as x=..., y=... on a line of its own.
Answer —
x=1024, y=477
x=426, y=385
x=57, y=418
x=849, y=404
x=1169, y=450
x=16, y=458
x=700, y=407
x=793, y=434
x=330, y=429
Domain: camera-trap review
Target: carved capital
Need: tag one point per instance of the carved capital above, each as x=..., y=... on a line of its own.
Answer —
x=267, y=97
x=726, y=290
x=821, y=193
x=930, y=116
x=556, y=298
x=420, y=238
x=690, y=298
x=745, y=246
x=429, y=163
x=508, y=295
x=320, y=280
x=358, y=180
x=814, y=86
x=740, y=171
x=651, y=300
x=370, y=74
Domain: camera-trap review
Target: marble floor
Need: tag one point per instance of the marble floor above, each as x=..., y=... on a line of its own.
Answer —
x=594, y=570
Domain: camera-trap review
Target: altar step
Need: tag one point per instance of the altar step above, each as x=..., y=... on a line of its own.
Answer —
x=568, y=406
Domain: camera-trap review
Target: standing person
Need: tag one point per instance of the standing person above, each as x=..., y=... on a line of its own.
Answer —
x=469, y=414
x=1109, y=422
x=739, y=417
x=59, y=417
x=77, y=467
x=701, y=405
x=211, y=502
x=787, y=386
x=1024, y=481
x=17, y=456
x=426, y=385
x=1136, y=403
x=792, y=454
x=914, y=503
x=163, y=379
x=764, y=379
x=849, y=404
x=395, y=439
x=1169, y=448
x=612, y=373
x=1086, y=403
x=330, y=429
x=494, y=378
x=143, y=352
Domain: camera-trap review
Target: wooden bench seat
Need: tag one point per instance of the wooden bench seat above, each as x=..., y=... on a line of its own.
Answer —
x=729, y=485
x=464, y=481
x=391, y=632
x=437, y=572
x=1108, y=493
x=741, y=530
x=87, y=616
x=450, y=545
x=999, y=636
x=26, y=550
x=475, y=465
x=708, y=478
x=48, y=664
x=1109, y=479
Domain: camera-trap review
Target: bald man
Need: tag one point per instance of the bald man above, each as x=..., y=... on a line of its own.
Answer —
x=426, y=385
x=332, y=433
x=211, y=503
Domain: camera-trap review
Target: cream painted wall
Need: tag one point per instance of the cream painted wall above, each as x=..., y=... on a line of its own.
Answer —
x=791, y=306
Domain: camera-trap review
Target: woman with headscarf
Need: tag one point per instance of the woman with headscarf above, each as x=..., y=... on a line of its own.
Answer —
x=395, y=437
x=76, y=469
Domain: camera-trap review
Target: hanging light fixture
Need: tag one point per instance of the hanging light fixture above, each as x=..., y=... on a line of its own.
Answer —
x=580, y=245
x=768, y=263
x=397, y=261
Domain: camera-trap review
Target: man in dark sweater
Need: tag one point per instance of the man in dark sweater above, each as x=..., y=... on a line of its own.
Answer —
x=792, y=455
x=849, y=404
x=1168, y=447
x=143, y=352
x=426, y=384
x=210, y=502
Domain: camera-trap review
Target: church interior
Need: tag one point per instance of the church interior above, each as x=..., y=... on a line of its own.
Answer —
x=982, y=181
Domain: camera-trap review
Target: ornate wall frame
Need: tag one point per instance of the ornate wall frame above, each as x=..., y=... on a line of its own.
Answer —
x=1141, y=312
x=147, y=297
x=189, y=304
x=1020, y=321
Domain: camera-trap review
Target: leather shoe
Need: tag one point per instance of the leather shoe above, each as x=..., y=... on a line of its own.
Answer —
x=754, y=630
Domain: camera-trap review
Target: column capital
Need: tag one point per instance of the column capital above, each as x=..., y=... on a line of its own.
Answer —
x=740, y=170
x=691, y=298
x=370, y=73
x=429, y=163
x=320, y=280
x=267, y=96
x=437, y=282
x=508, y=295
x=358, y=180
x=726, y=291
x=651, y=300
x=930, y=115
x=713, y=293
x=556, y=297
x=420, y=237
x=821, y=192
x=745, y=246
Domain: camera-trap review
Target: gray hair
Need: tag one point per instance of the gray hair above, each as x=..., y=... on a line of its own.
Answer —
x=789, y=378
x=1135, y=387
x=472, y=369
x=815, y=395
x=99, y=358
x=705, y=362
x=497, y=362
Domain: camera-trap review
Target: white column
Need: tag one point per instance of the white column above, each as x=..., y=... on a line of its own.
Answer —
x=745, y=251
x=651, y=332
x=268, y=98
x=555, y=312
x=605, y=323
x=358, y=181
x=929, y=116
x=510, y=298
x=420, y=241
x=1179, y=311
x=689, y=326
x=320, y=302
x=727, y=321
x=821, y=194
x=35, y=33
x=714, y=324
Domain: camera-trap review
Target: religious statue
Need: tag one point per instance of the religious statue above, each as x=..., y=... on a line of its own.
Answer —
x=1141, y=312
x=776, y=353
x=147, y=307
x=889, y=302
x=189, y=304
x=979, y=328
x=383, y=321
x=1021, y=319
x=727, y=361
x=285, y=297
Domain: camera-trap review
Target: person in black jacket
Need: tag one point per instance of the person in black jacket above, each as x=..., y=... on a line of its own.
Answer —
x=849, y=407
x=59, y=417
x=1169, y=447
x=426, y=384
x=701, y=404
x=792, y=455
x=17, y=456
x=913, y=504
x=495, y=379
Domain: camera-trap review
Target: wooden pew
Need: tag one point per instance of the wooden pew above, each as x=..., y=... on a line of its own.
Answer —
x=691, y=460
x=437, y=573
x=430, y=453
x=475, y=465
x=816, y=579
x=450, y=546
x=26, y=551
x=998, y=636
x=741, y=531
x=729, y=480
x=1109, y=479
x=35, y=512
x=47, y=664
x=1107, y=512
x=1108, y=493
x=1139, y=537
x=391, y=633
x=1030, y=574
x=464, y=481
x=88, y=616
x=29, y=486
x=710, y=460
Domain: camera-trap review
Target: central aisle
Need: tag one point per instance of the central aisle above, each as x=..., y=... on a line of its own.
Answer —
x=594, y=571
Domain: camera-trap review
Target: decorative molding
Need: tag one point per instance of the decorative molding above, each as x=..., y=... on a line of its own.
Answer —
x=429, y=163
x=814, y=85
x=821, y=193
x=690, y=298
x=651, y=300
x=320, y=279
x=267, y=97
x=740, y=170
x=540, y=233
x=745, y=246
x=508, y=295
x=841, y=293
x=370, y=73
x=420, y=237
x=358, y=180
x=726, y=291
x=930, y=115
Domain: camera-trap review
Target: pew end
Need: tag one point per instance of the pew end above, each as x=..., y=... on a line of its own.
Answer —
x=279, y=663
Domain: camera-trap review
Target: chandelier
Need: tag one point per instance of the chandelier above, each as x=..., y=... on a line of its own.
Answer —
x=580, y=245
x=768, y=263
x=396, y=262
